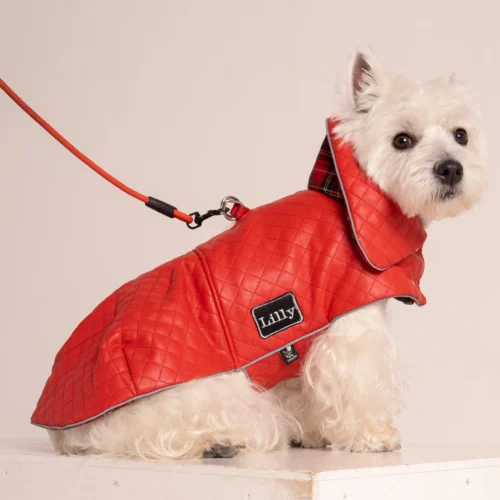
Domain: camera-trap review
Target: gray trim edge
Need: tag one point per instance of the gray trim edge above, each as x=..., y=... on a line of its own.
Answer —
x=351, y=219
x=242, y=368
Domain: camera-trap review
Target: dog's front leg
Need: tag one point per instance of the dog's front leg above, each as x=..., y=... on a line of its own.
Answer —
x=350, y=379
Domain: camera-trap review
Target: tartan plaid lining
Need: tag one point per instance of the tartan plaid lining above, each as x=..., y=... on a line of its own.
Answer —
x=323, y=177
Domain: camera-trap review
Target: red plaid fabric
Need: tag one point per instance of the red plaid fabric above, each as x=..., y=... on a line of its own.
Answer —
x=324, y=177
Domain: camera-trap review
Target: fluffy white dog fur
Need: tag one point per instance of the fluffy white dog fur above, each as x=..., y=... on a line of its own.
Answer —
x=349, y=389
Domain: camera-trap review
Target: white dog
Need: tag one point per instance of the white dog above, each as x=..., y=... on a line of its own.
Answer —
x=422, y=144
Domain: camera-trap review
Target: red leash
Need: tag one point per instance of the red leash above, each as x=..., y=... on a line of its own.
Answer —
x=153, y=203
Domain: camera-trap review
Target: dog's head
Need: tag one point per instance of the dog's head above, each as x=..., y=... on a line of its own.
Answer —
x=421, y=142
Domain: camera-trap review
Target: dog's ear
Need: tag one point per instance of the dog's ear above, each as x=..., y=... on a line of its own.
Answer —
x=365, y=79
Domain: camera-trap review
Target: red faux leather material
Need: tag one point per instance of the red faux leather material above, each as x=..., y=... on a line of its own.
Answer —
x=192, y=317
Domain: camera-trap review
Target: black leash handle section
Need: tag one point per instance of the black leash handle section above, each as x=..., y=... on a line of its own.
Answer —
x=161, y=207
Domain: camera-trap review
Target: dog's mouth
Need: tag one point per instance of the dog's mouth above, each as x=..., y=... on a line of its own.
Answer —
x=448, y=194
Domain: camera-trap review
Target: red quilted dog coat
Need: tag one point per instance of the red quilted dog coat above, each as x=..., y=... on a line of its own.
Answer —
x=253, y=298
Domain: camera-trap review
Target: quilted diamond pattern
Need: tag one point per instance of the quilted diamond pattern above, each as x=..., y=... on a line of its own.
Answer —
x=300, y=244
x=191, y=317
x=153, y=332
x=385, y=235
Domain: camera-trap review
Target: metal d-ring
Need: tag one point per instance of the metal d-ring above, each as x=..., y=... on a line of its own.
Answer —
x=224, y=208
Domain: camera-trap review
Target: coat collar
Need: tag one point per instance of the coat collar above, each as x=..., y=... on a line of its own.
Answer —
x=384, y=235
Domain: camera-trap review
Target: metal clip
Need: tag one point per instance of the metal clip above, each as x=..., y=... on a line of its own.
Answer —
x=198, y=219
x=223, y=210
x=226, y=210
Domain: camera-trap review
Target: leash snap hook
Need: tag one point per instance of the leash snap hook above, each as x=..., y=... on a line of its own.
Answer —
x=199, y=218
x=224, y=210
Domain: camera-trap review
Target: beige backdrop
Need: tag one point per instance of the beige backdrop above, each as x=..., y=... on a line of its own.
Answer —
x=190, y=101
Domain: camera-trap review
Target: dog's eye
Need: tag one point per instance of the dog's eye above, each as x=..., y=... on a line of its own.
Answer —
x=402, y=141
x=461, y=136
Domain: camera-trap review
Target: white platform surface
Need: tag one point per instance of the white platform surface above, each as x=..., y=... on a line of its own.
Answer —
x=31, y=470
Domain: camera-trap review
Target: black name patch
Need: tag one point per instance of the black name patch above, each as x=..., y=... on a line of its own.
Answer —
x=277, y=315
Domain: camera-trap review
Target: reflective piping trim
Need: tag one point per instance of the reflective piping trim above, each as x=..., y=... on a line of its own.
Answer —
x=124, y=403
x=242, y=368
x=351, y=220
x=327, y=326
x=246, y=375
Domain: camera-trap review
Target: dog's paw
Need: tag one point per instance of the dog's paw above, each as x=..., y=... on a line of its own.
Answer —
x=387, y=440
x=221, y=451
x=309, y=443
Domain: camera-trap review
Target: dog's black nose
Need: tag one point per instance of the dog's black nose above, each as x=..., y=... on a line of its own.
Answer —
x=449, y=172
